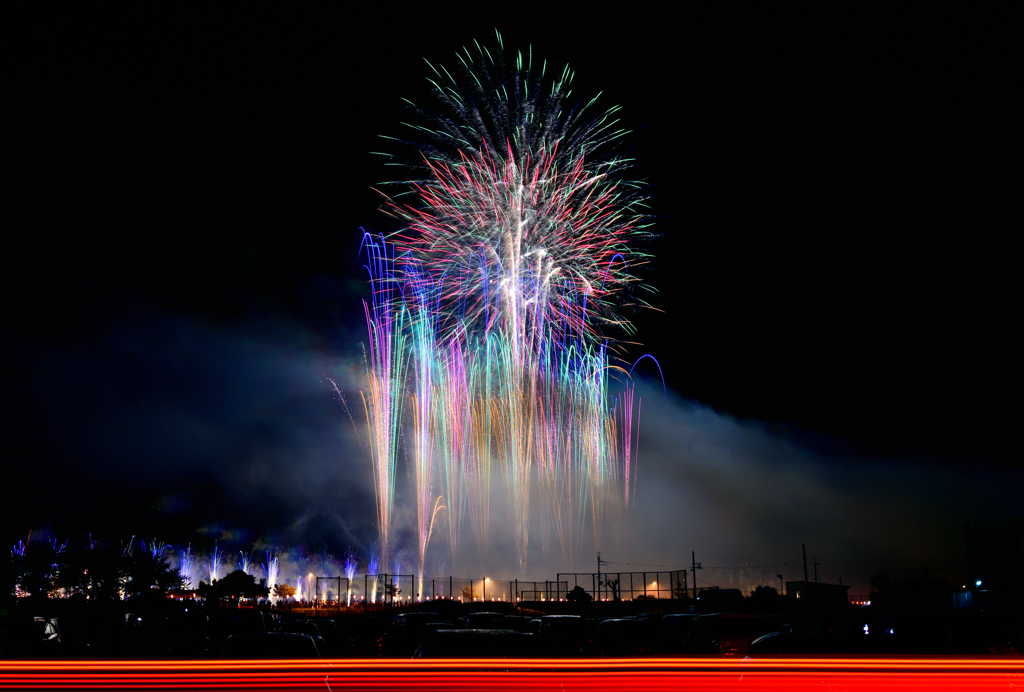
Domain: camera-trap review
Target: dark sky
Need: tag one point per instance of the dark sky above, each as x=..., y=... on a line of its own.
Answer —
x=832, y=196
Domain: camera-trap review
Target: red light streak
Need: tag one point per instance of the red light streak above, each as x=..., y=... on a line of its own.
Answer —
x=767, y=675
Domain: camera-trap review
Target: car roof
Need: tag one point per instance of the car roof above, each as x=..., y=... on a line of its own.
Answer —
x=274, y=645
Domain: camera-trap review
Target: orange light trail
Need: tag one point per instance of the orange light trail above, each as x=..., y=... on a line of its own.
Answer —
x=768, y=675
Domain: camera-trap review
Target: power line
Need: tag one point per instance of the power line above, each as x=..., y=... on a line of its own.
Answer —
x=634, y=564
x=771, y=566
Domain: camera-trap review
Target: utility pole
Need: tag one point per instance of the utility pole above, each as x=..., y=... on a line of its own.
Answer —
x=815, y=570
x=599, y=584
x=804, y=546
x=696, y=566
x=967, y=544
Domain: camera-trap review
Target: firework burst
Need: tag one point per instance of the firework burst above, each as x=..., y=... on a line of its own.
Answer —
x=186, y=560
x=489, y=310
x=520, y=205
x=271, y=571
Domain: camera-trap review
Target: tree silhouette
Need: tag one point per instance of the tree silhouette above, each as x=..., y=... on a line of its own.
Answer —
x=236, y=585
x=99, y=572
x=613, y=585
x=764, y=592
x=284, y=590
x=144, y=572
x=578, y=595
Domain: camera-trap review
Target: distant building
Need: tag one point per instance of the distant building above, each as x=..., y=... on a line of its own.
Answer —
x=818, y=595
x=714, y=599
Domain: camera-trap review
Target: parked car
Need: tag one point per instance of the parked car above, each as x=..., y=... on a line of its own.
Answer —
x=561, y=636
x=624, y=637
x=270, y=645
x=519, y=623
x=722, y=634
x=365, y=635
x=407, y=632
x=476, y=643
x=484, y=620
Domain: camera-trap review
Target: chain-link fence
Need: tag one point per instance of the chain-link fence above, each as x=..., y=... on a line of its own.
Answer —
x=382, y=589
x=539, y=591
x=624, y=586
x=453, y=588
x=464, y=589
x=400, y=589
x=330, y=590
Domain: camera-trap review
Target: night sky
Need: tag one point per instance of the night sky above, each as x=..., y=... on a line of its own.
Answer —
x=836, y=282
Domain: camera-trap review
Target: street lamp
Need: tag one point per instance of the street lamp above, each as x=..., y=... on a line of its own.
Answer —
x=485, y=588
